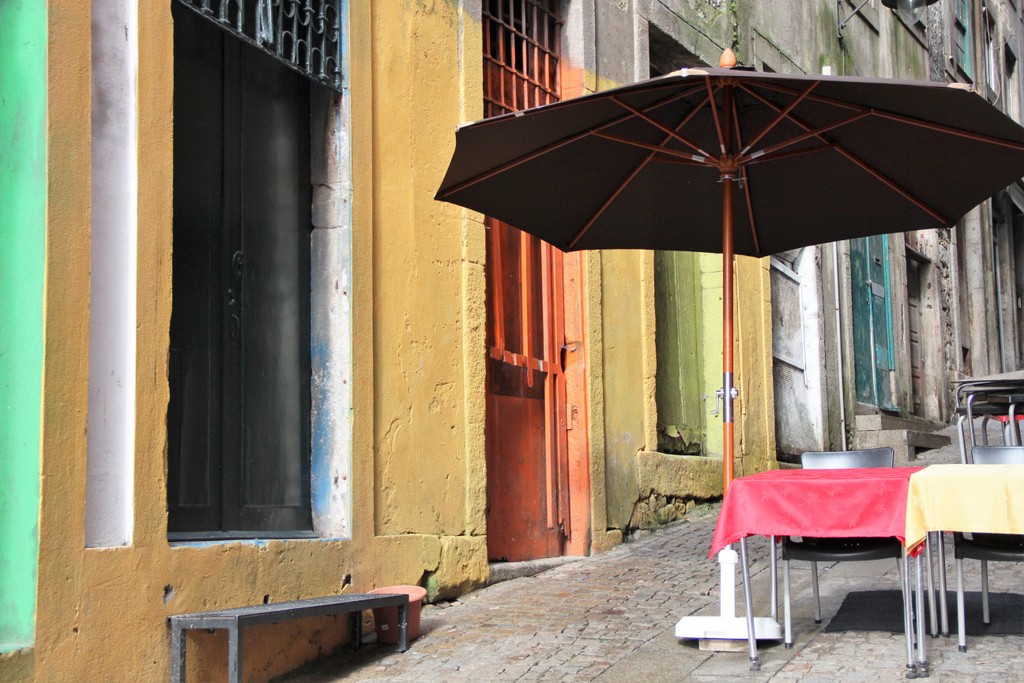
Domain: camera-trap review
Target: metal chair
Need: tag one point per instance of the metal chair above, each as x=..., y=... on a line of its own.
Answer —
x=985, y=547
x=989, y=399
x=816, y=550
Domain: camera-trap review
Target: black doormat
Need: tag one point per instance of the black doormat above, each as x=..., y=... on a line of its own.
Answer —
x=883, y=611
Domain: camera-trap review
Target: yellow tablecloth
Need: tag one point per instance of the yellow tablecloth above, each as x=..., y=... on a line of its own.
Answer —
x=985, y=498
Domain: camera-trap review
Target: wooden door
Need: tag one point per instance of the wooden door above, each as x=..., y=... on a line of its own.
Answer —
x=527, y=469
x=239, y=411
x=872, y=321
x=914, y=274
x=531, y=357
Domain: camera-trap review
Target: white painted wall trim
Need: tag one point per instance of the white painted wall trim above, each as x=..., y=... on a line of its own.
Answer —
x=331, y=308
x=110, y=460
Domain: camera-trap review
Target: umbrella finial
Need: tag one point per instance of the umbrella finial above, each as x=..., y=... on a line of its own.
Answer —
x=728, y=59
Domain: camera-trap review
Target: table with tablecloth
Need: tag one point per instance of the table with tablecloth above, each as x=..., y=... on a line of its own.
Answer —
x=968, y=498
x=824, y=503
x=985, y=498
x=902, y=502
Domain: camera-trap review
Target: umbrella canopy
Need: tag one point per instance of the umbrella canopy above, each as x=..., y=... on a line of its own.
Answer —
x=735, y=161
x=820, y=159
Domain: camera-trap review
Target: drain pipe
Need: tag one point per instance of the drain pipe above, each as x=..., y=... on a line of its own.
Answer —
x=839, y=344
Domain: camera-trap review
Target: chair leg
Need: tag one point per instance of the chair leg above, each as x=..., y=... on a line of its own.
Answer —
x=1012, y=428
x=961, y=619
x=933, y=622
x=943, y=607
x=755, y=662
x=788, y=640
x=814, y=588
x=774, y=572
x=985, y=617
x=908, y=620
x=903, y=593
x=962, y=439
x=984, y=430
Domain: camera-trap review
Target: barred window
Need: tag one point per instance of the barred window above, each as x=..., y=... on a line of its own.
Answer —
x=521, y=48
x=305, y=35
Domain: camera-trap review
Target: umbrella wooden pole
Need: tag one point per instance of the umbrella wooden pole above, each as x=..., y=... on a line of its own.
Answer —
x=727, y=341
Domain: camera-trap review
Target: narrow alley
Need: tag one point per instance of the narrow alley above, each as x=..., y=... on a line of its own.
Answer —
x=610, y=618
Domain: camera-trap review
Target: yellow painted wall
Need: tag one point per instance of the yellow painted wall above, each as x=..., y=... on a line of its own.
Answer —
x=418, y=431
x=417, y=268
x=419, y=486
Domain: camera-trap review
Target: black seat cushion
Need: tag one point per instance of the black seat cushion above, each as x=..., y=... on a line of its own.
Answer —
x=841, y=549
x=994, y=547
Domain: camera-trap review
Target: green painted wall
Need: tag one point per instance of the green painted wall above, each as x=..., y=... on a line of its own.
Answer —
x=22, y=236
x=712, y=320
x=680, y=386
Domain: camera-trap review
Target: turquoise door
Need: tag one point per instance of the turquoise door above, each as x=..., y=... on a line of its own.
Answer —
x=872, y=320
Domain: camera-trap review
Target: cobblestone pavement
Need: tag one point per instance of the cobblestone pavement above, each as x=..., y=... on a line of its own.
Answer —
x=611, y=618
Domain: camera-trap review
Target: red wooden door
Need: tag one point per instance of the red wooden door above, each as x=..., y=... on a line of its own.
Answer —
x=528, y=445
x=527, y=472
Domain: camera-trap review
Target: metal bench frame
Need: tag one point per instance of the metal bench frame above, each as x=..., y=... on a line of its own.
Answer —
x=237, y=619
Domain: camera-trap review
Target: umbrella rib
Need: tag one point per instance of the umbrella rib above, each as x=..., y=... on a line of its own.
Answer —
x=684, y=157
x=611, y=198
x=809, y=133
x=750, y=209
x=814, y=98
x=714, y=114
x=781, y=115
x=655, y=150
x=852, y=157
x=893, y=116
x=871, y=170
x=745, y=184
x=660, y=126
x=486, y=175
x=792, y=153
x=958, y=132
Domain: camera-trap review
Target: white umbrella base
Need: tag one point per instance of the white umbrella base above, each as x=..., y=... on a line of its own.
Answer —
x=726, y=628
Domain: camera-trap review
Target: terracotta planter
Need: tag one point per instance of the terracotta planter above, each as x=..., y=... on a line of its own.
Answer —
x=386, y=618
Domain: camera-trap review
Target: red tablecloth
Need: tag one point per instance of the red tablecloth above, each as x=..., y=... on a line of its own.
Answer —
x=823, y=503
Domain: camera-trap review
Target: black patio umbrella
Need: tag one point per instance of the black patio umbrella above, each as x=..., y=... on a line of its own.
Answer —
x=734, y=161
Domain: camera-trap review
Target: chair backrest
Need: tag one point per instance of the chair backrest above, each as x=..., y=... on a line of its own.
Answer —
x=998, y=455
x=839, y=460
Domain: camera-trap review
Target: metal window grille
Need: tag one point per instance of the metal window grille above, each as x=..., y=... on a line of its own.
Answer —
x=305, y=35
x=521, y=53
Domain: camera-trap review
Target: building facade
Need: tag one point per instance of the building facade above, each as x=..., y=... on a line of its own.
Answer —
x=256, y=361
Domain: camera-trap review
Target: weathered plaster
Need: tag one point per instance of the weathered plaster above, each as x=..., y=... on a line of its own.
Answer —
x=60, y=596
x=622, y=370
x=680, y=476
x=461, y=568
x=331, y=313
x=474, y=282
x=755, y=411
x=331, y=310
x=89, y=598
x=418, y=384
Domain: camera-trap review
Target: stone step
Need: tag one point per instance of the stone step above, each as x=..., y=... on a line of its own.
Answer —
x=906, y=443
x=873, y=422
